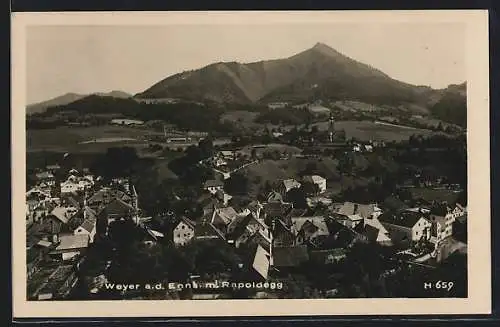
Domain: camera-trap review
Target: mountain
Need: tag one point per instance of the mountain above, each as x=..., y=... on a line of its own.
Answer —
x=319, y=72
x=69, y=98
x=450, y=104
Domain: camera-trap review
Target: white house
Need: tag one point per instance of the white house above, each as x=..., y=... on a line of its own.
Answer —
x=213, y=186
x=89, y=225
x=442, y=218
x=406, y=225
x=183, y=232
x=70, y=246
x=288, y=184
x=70, y=186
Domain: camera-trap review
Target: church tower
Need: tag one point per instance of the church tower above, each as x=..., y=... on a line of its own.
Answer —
x=331, y=128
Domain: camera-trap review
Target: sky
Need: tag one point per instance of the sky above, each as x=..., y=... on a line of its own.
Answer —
x=88, y=59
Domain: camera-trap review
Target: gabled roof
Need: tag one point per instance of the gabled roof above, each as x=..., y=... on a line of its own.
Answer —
x=274, y=196
x=404, y=218
x=315, y=224
x=118, y=206
x=261, y=262
x=346, y=209
x=69, y=242
x=61, y=213
x=290, y=183
x=88, y=225
x=186, y=221
x=277, y=209
x=224, y=215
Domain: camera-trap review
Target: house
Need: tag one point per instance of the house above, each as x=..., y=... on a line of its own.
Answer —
x=107, y=195
x=70, y=246
x=274, y=196
x=223, y=197
x=222, y=217
x=277, y=105
x=150, y=236
x=406, y=226
x=349, y=220
x=52, y=283
x=227, y=155
x=183, y=232
x=89, y=225
x=46, y=177
x=213, y=186
x=286, y=185
x=219, y=162
x=276, y=210
x=126, y=122
x=317, y=180
x=115, y=210
x=59, y=217
x=312, y=230
x=206, y=230
x=119, y=209
x=318, y=200
x=350, y=208
x=69, y=186
x=443, y=218
x=374, y=231
x=288, y=257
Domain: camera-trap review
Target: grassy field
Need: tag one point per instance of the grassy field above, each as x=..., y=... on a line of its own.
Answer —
x=70, y=139
x=282, y=148
x=429, y=194
x=270, y=170
x=368, y=130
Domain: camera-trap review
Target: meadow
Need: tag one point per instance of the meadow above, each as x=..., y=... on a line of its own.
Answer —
x=368, y=130
x=71, y=139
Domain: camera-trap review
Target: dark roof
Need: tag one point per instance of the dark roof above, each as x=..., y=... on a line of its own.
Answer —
x=119, y=206
x=187, y=221
x=290, y=256
x=440, y=209
x=403, y=218
x=463, y=218
x=277, y=209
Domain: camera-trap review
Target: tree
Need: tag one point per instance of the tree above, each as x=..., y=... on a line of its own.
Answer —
x=237, y=184
x=253, y=153
x=206, y=147
x=297, y=196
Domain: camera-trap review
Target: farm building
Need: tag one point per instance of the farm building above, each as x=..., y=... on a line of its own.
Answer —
x=127, y=122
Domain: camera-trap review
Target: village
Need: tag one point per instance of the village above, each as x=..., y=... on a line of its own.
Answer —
x=296, y=227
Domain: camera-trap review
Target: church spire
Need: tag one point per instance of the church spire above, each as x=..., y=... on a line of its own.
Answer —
x=331, y=127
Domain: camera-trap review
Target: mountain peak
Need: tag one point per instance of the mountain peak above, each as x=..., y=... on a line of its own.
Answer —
x=320, y=45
